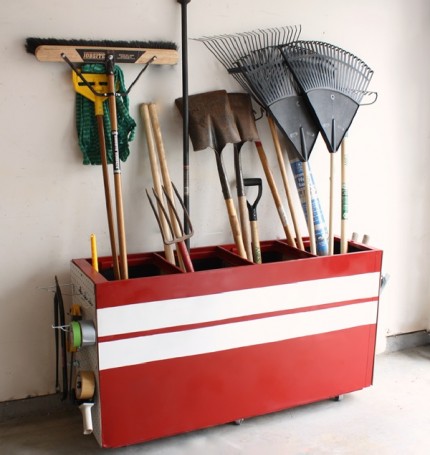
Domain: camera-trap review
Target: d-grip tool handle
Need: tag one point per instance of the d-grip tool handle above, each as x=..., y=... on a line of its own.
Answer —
x=252, y=210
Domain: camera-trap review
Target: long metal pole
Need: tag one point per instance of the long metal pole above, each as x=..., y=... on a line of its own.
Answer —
x=185, y=139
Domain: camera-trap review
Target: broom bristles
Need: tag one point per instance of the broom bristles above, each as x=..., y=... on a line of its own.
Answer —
x=33, y=43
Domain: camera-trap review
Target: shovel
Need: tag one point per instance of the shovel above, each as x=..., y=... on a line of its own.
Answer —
x=241, y=106
x=252, y=210
x=244, y=116
x=212, y=124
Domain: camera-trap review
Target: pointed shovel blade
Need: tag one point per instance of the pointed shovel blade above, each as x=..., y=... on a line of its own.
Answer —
x=211, y=120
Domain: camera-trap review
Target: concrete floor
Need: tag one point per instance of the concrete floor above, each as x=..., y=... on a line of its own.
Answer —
x=391, y=417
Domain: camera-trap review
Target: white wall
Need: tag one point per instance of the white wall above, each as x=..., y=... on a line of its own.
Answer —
x=51, y=203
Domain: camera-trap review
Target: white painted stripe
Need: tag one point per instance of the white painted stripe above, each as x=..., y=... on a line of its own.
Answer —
x=215, y=307
x=135, y=351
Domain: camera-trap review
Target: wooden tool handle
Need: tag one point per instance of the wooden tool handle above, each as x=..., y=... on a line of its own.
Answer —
x=241, y=200
x=245, y=227
x=331, y=206
x=144, y=111
x=344, y=198
x=165, y=175
x=108, y=201
x=121, y=227
x=256, y=243
x=275, y=193
x=235, y=227
x=117, y=179
x=231, y=209
x=282, y=168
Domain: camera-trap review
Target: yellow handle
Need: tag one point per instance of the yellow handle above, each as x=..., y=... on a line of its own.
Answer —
x=94, y=256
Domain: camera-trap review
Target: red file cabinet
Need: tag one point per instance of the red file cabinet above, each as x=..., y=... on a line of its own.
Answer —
x=180, y=351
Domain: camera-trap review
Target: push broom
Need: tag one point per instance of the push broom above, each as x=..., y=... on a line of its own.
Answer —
x=334, y=82
x=109, y=53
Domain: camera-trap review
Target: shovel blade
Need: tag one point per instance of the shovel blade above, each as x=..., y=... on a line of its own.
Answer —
x=211, y=120
x=241, y=106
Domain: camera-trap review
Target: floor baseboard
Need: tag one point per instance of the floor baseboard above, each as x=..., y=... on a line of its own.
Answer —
x=35, y=406
x=407, y=340
x=48, y=404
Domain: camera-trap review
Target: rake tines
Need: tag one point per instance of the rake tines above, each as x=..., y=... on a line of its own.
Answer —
x=229, y=49
x=334, y=82
x=254, y=60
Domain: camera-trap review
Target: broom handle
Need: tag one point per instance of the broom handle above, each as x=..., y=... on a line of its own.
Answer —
x=331, y=209
x=344, y=197
x=309, y=208
x=282, y=168
x=144, y=111
x=275, y=193
x=123, y=266
x=101, y=133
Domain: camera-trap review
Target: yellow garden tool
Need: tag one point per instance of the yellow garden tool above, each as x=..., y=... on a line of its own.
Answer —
x=98, y=83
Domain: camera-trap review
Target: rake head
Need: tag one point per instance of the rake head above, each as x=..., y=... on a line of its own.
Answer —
x=169, y=237
x=229, y=49
x=334, y=82
x=271, y=80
